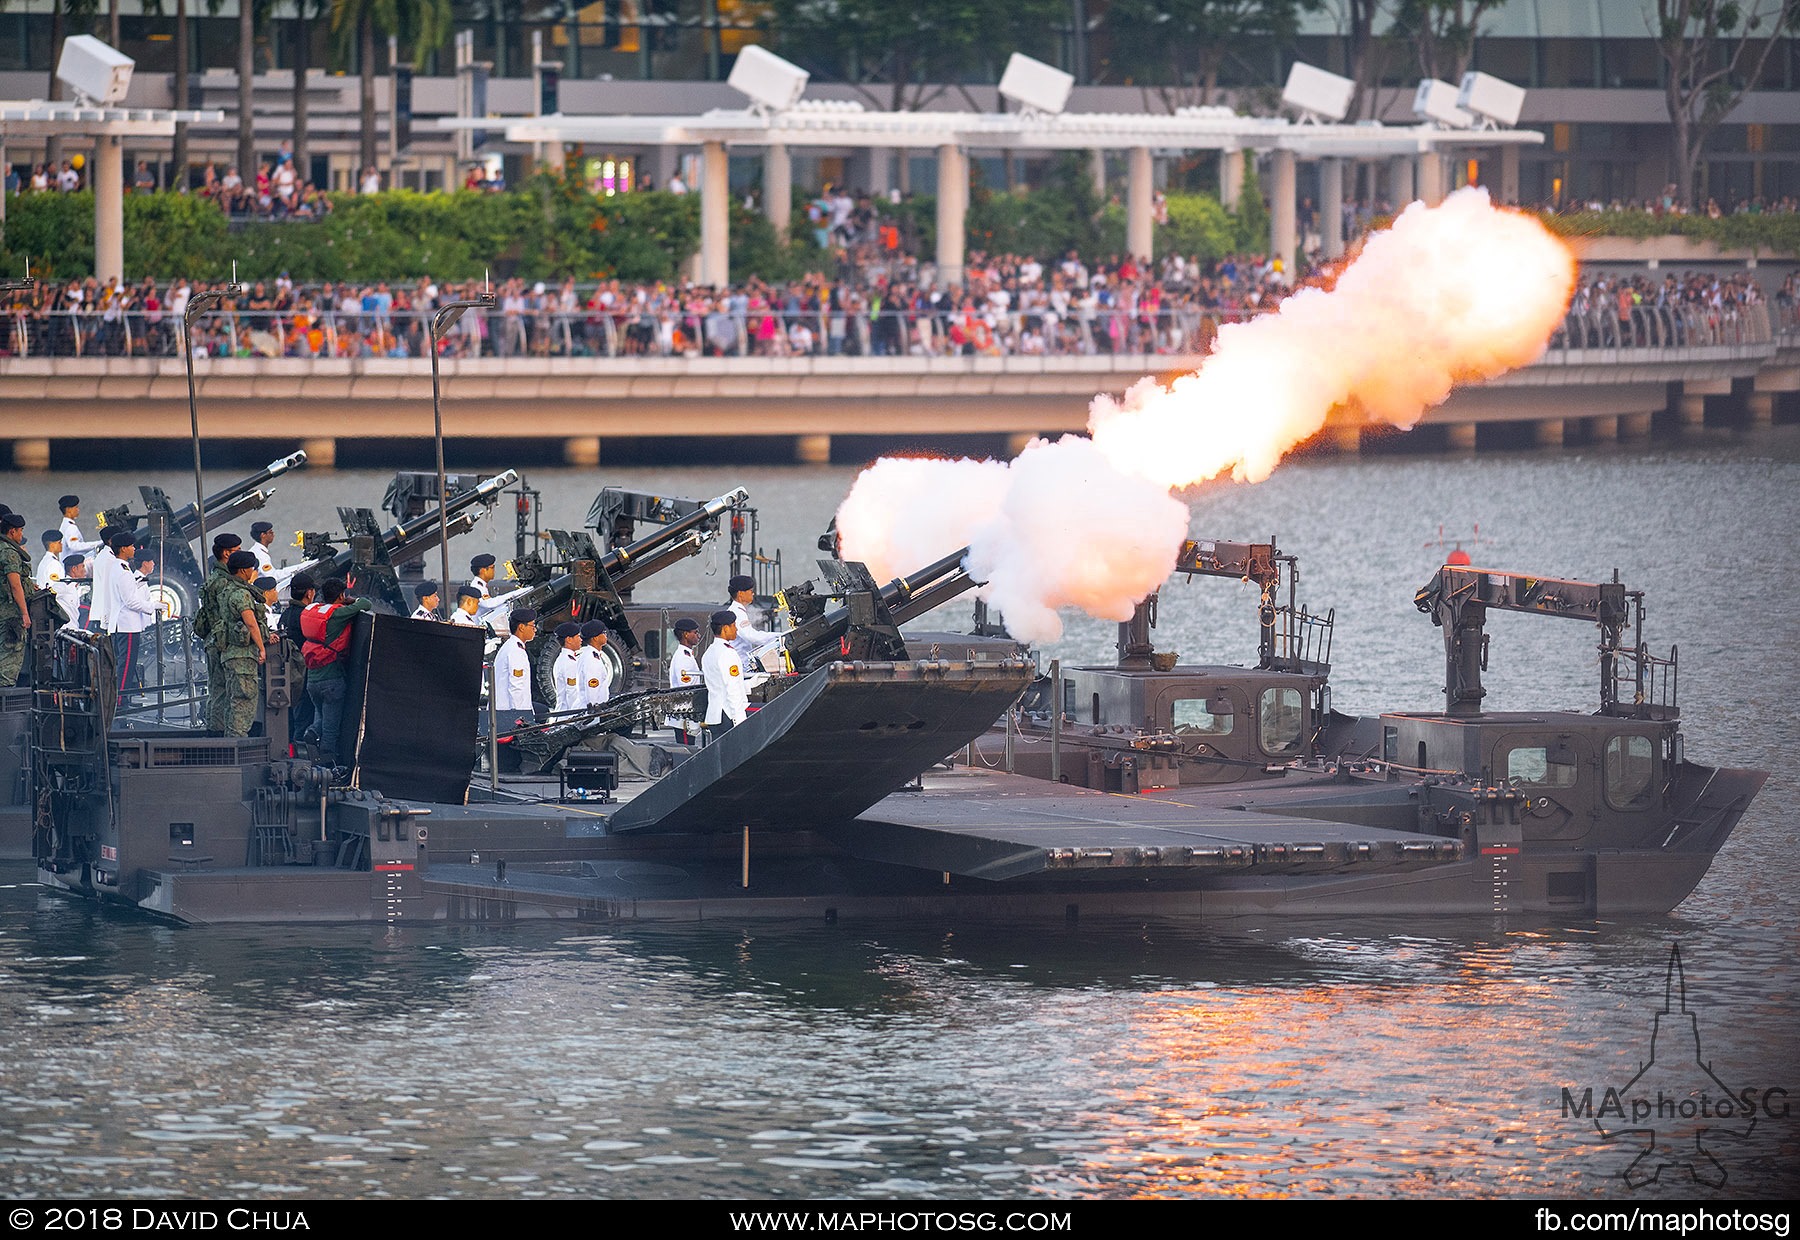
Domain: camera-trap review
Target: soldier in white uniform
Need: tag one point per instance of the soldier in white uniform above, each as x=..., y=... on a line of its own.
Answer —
x=596, y=672
x=727, y=696
x=512, y=668
x=50, y=568
x=72, y=539
x=262, y=535
x=72, y=590
x=468, y=601
x=426, y=592
x=482, y=566
x=750, y=619
x=684, y=664
x=570, y=694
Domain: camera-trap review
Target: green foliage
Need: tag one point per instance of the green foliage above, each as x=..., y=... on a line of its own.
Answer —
x=1767, y=234
x=1198, y=226
x=1252, y=211
x=553, y=228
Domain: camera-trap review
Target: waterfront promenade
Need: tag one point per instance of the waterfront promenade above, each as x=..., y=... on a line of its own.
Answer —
x=1601, y=380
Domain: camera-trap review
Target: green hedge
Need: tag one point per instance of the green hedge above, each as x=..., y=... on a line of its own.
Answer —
x=551, y=228
x=1768, y=234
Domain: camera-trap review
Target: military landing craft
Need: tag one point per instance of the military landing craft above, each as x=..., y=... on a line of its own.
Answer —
x=833, y=801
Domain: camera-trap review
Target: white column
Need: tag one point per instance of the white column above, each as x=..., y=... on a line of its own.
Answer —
x=715, y=215
x=1282, y=238
x=1331, y=207
x=952, y=201
x=1138, y=219
x=109, y=209
x=878, y=171
x=1400, y=181
x=1509, y=174
x=1097, y=167
x=1231, y=178
x=778, y=187
x=667, y=163
x=1431, y=178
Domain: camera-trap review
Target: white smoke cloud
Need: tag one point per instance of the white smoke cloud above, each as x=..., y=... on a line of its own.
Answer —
x=1450, y=294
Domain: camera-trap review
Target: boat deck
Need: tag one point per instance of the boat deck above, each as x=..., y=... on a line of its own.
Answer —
x=984, y=824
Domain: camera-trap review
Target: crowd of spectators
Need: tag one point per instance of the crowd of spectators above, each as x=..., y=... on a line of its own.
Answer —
x=1639, y=311
x=1004, y=305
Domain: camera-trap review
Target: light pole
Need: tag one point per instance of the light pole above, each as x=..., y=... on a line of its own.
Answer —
x=442, y=320
x=198, y=305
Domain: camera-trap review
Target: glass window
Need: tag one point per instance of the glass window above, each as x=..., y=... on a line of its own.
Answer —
x=1534, y=764
x=1630, y=770
x=1280, y=719
x=1193, y=719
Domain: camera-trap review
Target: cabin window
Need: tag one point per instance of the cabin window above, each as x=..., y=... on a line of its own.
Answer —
x=1191, y=718
x=1534, y=764
x=653, y=644
x=1281, y=720
x=1630, y=770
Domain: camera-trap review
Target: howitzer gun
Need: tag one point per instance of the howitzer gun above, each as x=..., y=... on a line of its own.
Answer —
x=167, y=531
x=616, y=513
x=583, y=583
x=368, y=561
x=867, y=625
x=1458, y=598
x=539, y=747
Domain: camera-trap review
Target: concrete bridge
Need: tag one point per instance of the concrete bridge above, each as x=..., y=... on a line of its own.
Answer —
x=1601, y=380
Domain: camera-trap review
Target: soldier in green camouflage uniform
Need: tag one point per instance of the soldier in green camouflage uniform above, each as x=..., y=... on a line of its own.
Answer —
x=16, y=589
x=240, y=623
x=205, y=612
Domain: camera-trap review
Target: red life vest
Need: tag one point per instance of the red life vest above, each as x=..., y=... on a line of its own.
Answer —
x=315, y=650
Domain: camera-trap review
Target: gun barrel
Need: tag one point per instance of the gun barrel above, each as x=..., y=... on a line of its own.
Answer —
x=406, y=531
x=185, y=522
x=619, y=562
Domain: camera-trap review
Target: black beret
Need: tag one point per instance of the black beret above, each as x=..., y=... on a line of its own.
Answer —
x=260, y=527
x=266, y=583
x=121, y=538
x=239, y=561
x=12, y=521
x=51, y=536
x=592, y=629
x=567, y=629
x=145, y=555
x=741, y=582
x=481, y=561
x=69, y=501
x=686, y=625
x=70, y=561
x=300, y=583
x=467, y=592
x=722, y=618
x=5, y=511
x=522, y=615
x=223, y=541
x=424, y=590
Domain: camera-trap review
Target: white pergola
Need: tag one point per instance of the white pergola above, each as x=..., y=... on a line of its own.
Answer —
x=1416, y=152
x=108, y=127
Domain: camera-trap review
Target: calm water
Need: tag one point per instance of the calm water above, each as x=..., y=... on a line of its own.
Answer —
x=931, y=1061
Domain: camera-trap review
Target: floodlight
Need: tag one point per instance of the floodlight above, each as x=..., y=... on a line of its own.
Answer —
x=1436, y=101
x=94, y=71
x=1036, y=86
x=768, y=80
x=1491, y=98
x=1318, y=94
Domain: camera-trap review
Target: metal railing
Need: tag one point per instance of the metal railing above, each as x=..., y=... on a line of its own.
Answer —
x=667, y=333
x=1665, y=327
x=627, y=332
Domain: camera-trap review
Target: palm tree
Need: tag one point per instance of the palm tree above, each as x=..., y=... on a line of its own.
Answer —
x=422, y=25
x=246, y=68
x=304, y=13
